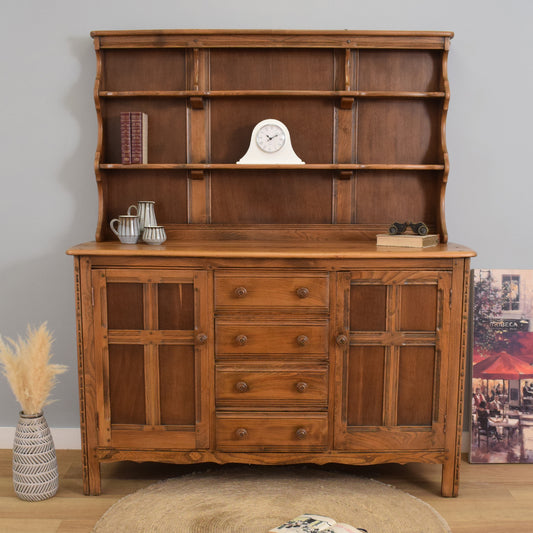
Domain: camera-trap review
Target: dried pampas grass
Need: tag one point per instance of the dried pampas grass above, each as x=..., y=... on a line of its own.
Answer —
x=26, y=364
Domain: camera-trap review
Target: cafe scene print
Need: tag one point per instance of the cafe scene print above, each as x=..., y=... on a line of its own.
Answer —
x=502, y=366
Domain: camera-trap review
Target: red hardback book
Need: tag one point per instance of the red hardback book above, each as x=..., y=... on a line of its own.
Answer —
x=125, y=137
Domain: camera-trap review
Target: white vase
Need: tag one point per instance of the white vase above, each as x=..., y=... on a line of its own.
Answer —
x=35, y=474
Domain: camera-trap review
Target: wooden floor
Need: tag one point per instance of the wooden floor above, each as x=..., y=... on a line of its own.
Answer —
x=492, y=499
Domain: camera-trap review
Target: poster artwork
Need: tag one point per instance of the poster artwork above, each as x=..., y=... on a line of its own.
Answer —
x=502, y=372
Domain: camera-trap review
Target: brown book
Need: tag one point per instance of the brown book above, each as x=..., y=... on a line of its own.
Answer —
x=139, y=138
x=125, y=137
x=409, y=241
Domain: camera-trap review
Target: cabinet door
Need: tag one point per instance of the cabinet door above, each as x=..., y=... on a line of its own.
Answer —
x=393, y=329
x=150, y=353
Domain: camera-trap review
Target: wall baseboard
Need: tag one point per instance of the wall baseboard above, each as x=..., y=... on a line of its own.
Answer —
x=64, y=438
x=70, y=438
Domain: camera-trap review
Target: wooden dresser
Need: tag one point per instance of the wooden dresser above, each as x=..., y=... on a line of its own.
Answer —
x=270, y=328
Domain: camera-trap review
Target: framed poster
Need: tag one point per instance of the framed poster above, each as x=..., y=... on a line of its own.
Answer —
x=502, y=366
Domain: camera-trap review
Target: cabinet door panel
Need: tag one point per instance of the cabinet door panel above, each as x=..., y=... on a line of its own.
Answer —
x=416, y=373
x=146, y=328
x=391, y=371
x=175, y=306
x=176, y=385
x=126, y=384
x=125, y=306
x=418, y=306
x=365, y=317
x=365, y=385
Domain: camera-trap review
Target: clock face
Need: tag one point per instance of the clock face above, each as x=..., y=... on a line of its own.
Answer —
x=270, y=138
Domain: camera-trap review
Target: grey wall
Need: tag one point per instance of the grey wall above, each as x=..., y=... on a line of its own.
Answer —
x=48, y=135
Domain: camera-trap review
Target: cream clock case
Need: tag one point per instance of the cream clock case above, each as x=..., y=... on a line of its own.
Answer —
x=270, y=144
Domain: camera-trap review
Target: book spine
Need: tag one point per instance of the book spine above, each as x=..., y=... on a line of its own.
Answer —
x=139, y=138
x=125, y=138
x=145, y=137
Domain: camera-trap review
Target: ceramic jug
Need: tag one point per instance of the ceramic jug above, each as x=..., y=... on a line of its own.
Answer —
x=146, y=213
x=128, y=230
x=154, y=235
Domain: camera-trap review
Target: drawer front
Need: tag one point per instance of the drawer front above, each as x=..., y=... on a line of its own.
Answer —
x=271, y=291
x=271, y=385
x=252, y=338
x=264, y=432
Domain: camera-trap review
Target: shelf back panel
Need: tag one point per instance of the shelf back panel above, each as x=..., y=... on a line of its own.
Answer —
x=167, y=188
x=399, y=70
x=263, y=197
x=401, y=132
x=271, y=69
x=310, y=122
x=387, y=196
x=144, y=70
x=167, y=128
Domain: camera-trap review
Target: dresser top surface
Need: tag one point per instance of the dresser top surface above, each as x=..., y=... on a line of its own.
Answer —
x=267, y=249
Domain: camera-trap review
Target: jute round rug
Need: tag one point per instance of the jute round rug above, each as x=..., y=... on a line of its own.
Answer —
x=256, y=499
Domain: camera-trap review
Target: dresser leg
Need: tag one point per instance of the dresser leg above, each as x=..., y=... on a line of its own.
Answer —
x=91, y=476
x=450, y=478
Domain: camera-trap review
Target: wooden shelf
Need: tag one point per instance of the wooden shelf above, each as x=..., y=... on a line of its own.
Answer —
x=263, y=94
x=233, y=166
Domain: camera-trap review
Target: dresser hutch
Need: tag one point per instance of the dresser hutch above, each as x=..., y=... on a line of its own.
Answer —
x=270, y=328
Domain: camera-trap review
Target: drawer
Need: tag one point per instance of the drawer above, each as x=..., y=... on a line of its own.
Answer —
x=264, y=432
x=249, y=386
x=271, y=338
x=293, y=289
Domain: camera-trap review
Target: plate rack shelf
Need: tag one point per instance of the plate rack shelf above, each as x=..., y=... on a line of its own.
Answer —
x=366, y=111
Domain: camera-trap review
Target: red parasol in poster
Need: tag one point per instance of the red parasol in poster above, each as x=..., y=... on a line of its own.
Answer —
x=503, y=366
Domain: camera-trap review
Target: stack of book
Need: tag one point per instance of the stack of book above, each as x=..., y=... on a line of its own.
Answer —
x=134, y=137
x=408, y=240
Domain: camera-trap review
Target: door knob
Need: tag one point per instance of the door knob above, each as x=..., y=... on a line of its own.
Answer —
x=342, y=340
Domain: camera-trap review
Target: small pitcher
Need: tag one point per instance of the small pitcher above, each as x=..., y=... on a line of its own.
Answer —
x=128, y=230
x=154, y=235
x=146, y=213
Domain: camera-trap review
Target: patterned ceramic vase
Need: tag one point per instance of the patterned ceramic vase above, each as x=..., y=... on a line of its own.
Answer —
x=35, y=475
x=146, y=213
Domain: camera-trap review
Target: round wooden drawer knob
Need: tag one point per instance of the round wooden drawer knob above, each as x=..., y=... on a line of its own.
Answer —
x=240, y=292
x=342, y=340
x=201, y=338
x=301, y=433
x=241, y=340
x=301, y=386
x=241, y=386
x=302, y=292
x=241, y=433
x=302, y=340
